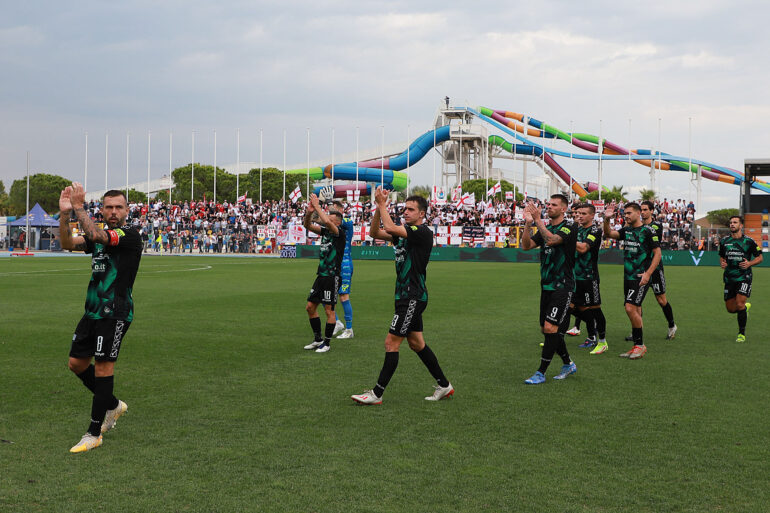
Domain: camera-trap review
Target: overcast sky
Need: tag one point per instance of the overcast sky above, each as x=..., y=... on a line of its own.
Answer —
x=176, y=66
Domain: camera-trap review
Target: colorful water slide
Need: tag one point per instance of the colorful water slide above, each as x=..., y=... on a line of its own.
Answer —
x=387, y=171
x=519, y=125
x=528, y=149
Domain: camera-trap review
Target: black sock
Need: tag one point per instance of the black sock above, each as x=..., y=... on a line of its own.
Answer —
x=577, y=320
x=315, y=324
x=561, y=349
x=669, y=313
x=89, y=380
x=742, y=321
x=87, y=377
x=588, y=316
x=388, y=369
x=101, y=403
x=328, y=332
x=636, y=333
x=601, y=323
x=549, y=348
x=431, y=362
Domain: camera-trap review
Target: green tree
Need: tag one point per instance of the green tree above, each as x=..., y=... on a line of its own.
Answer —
x=479, y=188
x=135, y=196
x=43, y=188
x=272, y=184
x=421, y=190
x=204, y=184
x=722, y=216
x=4, y=203
x=647, y=195
x=615, y=194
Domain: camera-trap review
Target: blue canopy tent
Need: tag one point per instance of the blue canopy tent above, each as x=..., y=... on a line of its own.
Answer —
x=40, y=224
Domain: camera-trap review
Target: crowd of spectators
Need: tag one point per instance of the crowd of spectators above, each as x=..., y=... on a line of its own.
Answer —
x=208, y=227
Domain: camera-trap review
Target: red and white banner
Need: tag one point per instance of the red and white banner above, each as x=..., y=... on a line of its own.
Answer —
x=494, y=189
x=439, y=196
x=509, y=195
x=353, y=196
x=457, y=193
x=295, y=195
x=297, y=234
x=598, y=205
x=242, y=198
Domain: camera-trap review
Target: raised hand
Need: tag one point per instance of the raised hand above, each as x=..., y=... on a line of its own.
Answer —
x=65, y=203
x=609, y=211
x=77, y=195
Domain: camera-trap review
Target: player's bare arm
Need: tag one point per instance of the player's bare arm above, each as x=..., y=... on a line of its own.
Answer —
x=375, y=231
x=65, y=211
x=322, y=215
x=749, y=263
x=550, y=239
x=387, y=222
x=307, y=220
x=644, y=278
x=91, y=232
x=582, y=247
x=526, y=235
x=608, y=214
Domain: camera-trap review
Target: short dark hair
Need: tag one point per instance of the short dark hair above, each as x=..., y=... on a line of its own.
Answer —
x=649, y=204
x=561, y=197
x=634, y=205
x=114, y=192
x=585, y=205
x=740, y=219
x=422, y=203
x=338, y=204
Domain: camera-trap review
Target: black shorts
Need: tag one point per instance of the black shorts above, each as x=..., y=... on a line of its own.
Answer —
x=733, y=288
x=658, y=282
x=325, y=290
x=587, y=293
x=408, y=317
x=635, y=292
x=554, y=305
x=99, y=338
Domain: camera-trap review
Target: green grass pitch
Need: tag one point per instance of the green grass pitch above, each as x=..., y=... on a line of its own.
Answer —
x=228, y=413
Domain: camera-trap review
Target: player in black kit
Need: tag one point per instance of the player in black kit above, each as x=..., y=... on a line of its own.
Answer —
x=327, y=282
x=737, y=255
x=658, y=279
x=412, y=244
x=109, y=310
x=641, y=256
x=557, y=280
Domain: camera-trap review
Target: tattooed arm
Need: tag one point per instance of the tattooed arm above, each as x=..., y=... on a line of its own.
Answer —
x=92, y=233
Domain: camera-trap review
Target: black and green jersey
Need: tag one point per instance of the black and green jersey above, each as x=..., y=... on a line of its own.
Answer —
x=412, y=254
x=332, y=251
x=638, y=246
x=113, y=270
x=587, y=264
x=557, y=262
x=734, y=251
x=657, y=228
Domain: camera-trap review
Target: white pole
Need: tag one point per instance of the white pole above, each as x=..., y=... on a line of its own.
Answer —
x=600, y=149
x=85, y=173
x=283, y=196
x=170, y=145
x=215, y=167
x=192, y=168
x=408, y=156
x=434, y=161
x=237, y=164
x=260, y=165
x=382, y=161
x=660, y=165
x=26, y=238
x=128, y=141
x=149, y=138
x=356, y=160
x=307, y=190
x=106, y=151
x=332, y=173
x=698, y=185
x=629, y=139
